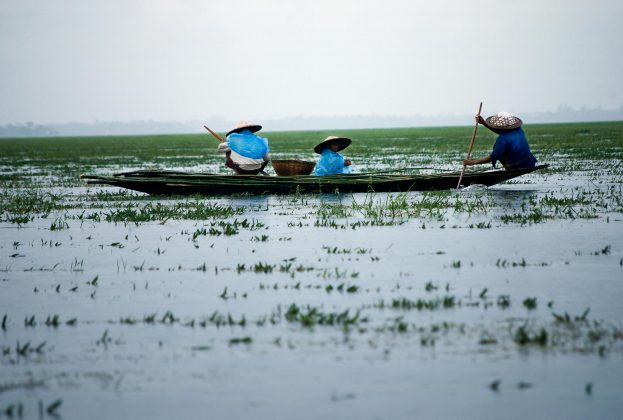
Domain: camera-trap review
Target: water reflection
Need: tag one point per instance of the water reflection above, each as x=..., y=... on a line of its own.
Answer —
x=512, y=198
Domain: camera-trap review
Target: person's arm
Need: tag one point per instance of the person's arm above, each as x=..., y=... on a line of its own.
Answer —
x=488, y=159
x=223, y=147
x=468, y=162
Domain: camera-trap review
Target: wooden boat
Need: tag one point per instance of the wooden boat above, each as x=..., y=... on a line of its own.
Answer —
x=159, y=182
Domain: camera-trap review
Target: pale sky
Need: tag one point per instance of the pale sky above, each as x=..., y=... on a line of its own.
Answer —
x=88, y=60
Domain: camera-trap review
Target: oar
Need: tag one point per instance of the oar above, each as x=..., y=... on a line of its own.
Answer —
x=219, y=138
x=471, y=145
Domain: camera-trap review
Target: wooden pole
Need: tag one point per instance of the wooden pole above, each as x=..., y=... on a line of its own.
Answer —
x=219, y=138
x=471, y=145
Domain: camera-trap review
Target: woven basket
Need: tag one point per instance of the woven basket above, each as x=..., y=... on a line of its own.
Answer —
x=293, y=167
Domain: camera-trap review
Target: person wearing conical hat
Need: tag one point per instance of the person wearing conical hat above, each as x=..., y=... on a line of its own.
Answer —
x=245, y=152
x=511, y=146
x=331, y=162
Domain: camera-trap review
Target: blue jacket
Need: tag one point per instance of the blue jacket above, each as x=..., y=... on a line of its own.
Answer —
x=248, y=144
x=331, y=163
x=511, y=148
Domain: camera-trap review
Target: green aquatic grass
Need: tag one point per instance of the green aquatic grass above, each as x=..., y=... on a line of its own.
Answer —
x=33, y=171
x=70, y=156
x=445, y=302
x=28, y=167
x=194, y=210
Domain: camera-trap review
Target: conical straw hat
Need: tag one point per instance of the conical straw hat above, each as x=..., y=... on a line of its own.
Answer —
x=244, y=125
x=343, y=141
x=504, y=121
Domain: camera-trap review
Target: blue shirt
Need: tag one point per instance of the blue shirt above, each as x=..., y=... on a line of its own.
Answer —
x=512, y=150
x=248, y=144
x=331, y=163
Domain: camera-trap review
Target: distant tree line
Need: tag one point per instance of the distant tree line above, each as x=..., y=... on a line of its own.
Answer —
x=26, y=130
x=564, y=114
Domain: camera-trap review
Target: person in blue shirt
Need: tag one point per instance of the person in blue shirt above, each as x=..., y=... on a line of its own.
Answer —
x=511, y=147
x=331, y=162
x=245, y=152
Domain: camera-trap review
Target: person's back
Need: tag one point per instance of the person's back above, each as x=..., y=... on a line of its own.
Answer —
x=512, y=150
x=245, y=152
x=247, y=144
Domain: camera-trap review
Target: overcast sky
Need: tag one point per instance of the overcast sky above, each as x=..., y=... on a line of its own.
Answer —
x=88, y=60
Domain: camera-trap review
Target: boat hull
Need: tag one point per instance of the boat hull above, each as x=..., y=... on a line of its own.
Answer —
x=180, y=183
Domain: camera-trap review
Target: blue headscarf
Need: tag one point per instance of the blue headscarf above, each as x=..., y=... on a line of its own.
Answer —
x=247, y=144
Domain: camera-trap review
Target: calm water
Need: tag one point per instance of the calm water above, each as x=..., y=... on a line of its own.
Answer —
x=458, y=360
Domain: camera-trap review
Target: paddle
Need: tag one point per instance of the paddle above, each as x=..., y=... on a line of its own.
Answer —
x=471, y=145
x=219, y=138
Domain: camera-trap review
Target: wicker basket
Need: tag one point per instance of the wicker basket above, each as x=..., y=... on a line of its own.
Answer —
x=293, y=167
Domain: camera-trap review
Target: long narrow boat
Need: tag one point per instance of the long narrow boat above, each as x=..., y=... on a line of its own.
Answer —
x=159, y=182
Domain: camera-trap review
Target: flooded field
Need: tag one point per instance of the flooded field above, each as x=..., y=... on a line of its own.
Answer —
x=501, y=302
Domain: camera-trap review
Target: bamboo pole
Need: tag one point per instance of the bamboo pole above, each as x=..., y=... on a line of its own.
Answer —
x=219, y=138
x=471, y=145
